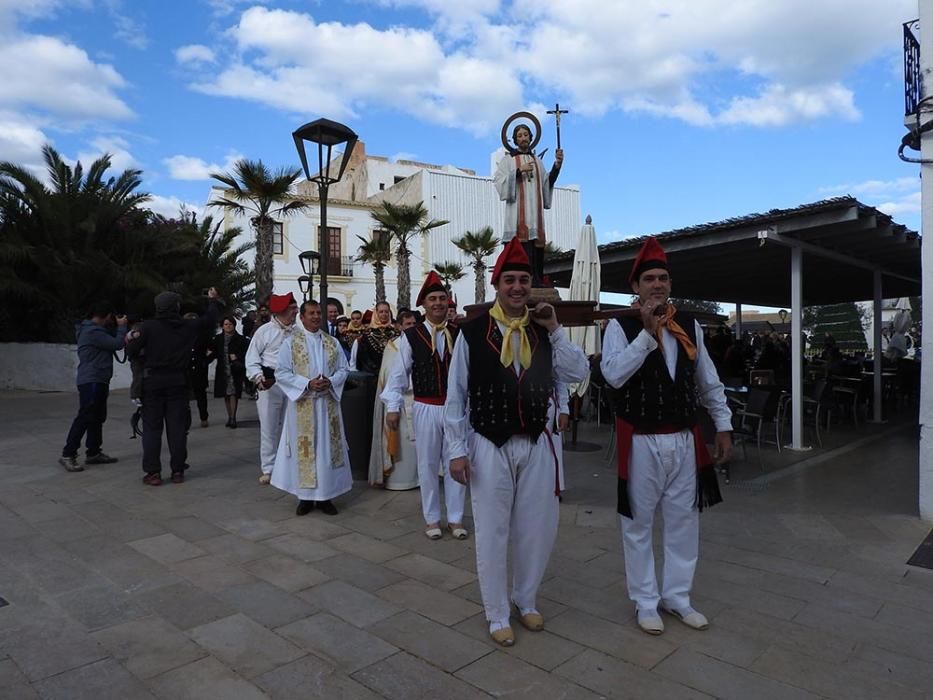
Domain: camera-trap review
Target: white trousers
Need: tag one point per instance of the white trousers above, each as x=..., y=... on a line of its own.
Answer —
x=662, y=470
x=514, y=504
x=271, y=407
x=428, y=423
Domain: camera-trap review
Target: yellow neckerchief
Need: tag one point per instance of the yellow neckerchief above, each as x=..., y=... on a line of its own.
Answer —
x=435, y=329
x=355, y=326
x=513, y=324
x=667, y=321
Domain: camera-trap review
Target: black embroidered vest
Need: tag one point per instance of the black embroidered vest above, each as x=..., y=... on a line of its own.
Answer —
x=650, y=398
x=428, y=370
x=501, y=403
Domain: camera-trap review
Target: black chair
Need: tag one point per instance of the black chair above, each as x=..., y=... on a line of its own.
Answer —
x=814, y=407
x=762, y=408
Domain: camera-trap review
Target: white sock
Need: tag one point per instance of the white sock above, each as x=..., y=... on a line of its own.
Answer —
x=528, y=611
x=498, y=625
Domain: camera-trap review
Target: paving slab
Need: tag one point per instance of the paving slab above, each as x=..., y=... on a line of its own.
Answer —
x=14, y=684
x=102, y=680
x=502, y=675
x=244, y=645
x=267, y=604
x=286, y=572
x=206, y=679
x=431, y=572
x=366, y=548
x=311, y=677
x=185, y=605
x=149, y=646
x=359, y=572
x=542, y=649
x=406, y=677
x=212, y=572
x=48, y=648
x=440, y=606
x=613, y=678
x=350, y=603
x=345, y=646
x=96, y=607
x=167, y=548
x=301, y=548
x=435, y=643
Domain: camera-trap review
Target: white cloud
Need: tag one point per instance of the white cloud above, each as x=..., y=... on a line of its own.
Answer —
x=170, y=206
x=120, y=157
x=183, y=167
x=907, y=204
x=21, y=142
x=402, y=155
x=773, y=64
x=194, y=53
x=894, y=197
x=222, y=8
x=45, y=73
x=779, y=106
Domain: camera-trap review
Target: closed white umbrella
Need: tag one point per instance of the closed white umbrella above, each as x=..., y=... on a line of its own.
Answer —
x=584, y=286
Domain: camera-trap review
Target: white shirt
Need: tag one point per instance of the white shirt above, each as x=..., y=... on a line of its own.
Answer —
x=568, y=363
x=399, y=375
x=622, y=359
x=264, y=347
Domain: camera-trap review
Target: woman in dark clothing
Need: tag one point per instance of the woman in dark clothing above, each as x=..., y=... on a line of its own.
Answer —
x=229, y=349
x=197, y=374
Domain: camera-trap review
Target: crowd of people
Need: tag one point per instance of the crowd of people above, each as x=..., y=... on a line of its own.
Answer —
x=462, y=409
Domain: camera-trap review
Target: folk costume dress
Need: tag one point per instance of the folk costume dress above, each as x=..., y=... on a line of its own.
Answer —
x=395, y=465
x=423, y=360
x=262, y=357
x=312, y=461
x=662, y=458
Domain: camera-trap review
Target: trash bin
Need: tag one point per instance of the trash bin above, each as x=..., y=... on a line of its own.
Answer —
x=359, y=398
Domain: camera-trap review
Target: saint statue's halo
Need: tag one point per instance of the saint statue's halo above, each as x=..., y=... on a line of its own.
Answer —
x=534, y=127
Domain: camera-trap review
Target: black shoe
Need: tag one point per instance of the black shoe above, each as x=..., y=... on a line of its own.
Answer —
x=304, y=507
x=227, y=424
x=100, y=458
x=327, y=507
x=232, y=423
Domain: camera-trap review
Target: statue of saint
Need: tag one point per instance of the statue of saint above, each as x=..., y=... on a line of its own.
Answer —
x=526, y=187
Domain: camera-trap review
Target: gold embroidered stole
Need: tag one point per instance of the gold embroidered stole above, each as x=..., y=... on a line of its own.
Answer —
x=307, y=435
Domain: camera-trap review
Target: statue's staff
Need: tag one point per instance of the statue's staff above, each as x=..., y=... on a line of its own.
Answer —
x=557, y=111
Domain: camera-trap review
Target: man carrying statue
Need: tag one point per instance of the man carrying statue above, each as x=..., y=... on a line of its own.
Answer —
x=526, y=188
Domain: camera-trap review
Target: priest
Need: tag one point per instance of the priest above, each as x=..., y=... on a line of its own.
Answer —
x=312, y=461
x=504, y=370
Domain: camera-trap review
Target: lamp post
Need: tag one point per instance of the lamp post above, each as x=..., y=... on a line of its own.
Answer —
x=326, y=134
x=310, y=265
x=783, y=316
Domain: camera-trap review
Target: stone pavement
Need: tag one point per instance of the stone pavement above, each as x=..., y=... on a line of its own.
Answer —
x=214, y=589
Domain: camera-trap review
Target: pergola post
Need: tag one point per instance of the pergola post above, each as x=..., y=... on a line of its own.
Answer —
x=926, y=188
x=738, y=321
x=796, y=328
x=876, y=344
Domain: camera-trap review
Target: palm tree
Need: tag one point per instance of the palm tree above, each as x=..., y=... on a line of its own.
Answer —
x=377, y=252
x=450, y=272
x=478, y=246
x=219, y=263
x=404, y=222
x=253, y=190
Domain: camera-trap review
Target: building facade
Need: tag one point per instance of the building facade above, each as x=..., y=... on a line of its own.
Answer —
x=468, y=201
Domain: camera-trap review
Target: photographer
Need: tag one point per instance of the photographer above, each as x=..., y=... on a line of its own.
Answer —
x=96, y=345
x=167, y=342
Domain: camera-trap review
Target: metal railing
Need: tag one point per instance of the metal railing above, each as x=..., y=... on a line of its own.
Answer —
x=913, y=78
x=340, y=266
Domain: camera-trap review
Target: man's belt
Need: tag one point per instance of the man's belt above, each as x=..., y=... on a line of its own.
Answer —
x=431, y=400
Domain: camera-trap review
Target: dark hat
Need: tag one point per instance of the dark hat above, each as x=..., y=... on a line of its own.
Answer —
x=167, y=302
x=432, y=283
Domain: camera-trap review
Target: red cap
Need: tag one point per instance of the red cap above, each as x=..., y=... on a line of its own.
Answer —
x=432, y=283
x=279, y=302
x=650, y=256
x=512, y=258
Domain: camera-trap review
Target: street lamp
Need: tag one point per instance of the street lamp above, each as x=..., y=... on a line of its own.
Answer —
x=310, y=264
x=783, y=316
x=326, y=134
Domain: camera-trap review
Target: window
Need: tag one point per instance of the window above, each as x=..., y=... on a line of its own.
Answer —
x=382, y=186
x=398, y=179
x=334, y=250
x=278, y=239
x=378, y=233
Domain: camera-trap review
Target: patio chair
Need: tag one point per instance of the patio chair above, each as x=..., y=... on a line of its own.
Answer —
x=762, y=408
x=814, y=407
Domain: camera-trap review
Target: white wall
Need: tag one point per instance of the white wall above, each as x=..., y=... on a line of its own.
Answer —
x=48, y=367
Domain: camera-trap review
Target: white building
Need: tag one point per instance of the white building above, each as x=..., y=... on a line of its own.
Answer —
x=468, y=201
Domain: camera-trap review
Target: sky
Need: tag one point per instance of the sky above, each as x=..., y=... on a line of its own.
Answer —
x=681, y=111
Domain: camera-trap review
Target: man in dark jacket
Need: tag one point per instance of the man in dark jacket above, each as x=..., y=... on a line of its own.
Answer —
x=96, y=345
x=168, y=340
